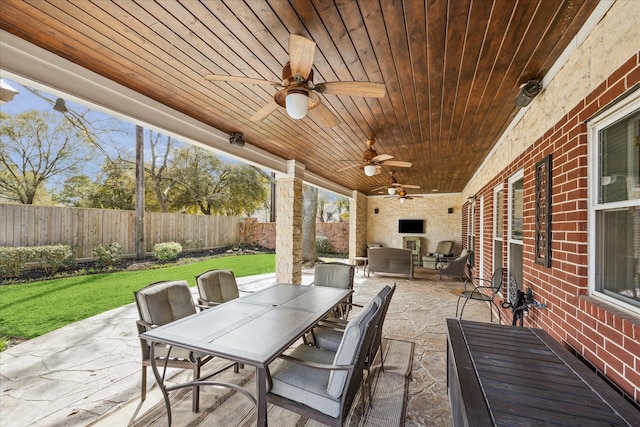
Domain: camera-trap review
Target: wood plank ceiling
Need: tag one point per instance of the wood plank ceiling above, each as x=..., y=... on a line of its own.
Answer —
x=452, y=70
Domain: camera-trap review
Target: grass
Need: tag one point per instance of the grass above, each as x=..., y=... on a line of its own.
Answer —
x=33, y=309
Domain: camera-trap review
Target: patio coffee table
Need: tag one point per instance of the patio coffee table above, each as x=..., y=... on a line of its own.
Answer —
x=253, y=330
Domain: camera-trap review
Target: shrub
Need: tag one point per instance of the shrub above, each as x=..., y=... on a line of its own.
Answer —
x=54, y=257
x=109, y=255
x=13, y=260
x=167, y=251
x=323, y=246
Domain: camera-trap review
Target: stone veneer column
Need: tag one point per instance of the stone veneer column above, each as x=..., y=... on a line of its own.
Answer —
x=289, y=230
x=357, y=225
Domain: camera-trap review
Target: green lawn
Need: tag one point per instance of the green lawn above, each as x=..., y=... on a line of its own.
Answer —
x=32, y=309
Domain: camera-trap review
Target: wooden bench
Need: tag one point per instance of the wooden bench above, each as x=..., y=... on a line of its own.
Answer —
x=500, y=375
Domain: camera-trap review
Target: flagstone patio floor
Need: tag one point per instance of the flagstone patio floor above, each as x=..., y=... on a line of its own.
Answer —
x=76, y=374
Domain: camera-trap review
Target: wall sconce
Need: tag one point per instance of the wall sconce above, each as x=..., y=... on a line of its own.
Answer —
x=450, y=210
x=528, y=91
x=6, y=92
x=235, y=138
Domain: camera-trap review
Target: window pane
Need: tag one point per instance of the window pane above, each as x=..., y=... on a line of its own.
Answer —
x=517, y=209
x=499, y=215
x=620, y=161
x=618, y=254
x=497, y=254
x=515, y=262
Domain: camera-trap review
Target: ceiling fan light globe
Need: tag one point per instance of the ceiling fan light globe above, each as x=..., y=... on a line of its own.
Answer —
x=391, y=190
x=370, y=170
x=297, y=105
x=402, y=200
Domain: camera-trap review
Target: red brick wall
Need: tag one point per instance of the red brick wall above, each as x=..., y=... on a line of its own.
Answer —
x=607, y=337
x=264, y=234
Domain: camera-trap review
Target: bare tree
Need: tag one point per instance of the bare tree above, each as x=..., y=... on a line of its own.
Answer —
x=36, y=146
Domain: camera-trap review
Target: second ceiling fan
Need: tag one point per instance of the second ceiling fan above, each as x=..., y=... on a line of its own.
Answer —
x=297, y=92
x=372, y=161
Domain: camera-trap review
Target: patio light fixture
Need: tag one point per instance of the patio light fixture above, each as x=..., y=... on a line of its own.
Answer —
x=391, y=190
x=297, y=103
x=402, y=199
x=60, y=106
x=370, y=170
x=528, y=91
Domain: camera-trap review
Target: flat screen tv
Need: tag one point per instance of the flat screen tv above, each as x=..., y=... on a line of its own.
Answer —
x=411, y=226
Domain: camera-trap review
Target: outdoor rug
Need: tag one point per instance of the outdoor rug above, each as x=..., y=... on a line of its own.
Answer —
x=225, y=407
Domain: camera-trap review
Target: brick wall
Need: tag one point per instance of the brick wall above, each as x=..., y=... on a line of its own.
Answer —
x=264, y=234
x=607, y=337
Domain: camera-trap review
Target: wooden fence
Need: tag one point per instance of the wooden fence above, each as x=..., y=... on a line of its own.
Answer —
x=84, y=229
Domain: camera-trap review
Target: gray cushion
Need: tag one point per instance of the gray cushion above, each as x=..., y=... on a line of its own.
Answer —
x=347, y=351
x=333, y=275
x=165, y=302
x=217, y=286
x=306, y=385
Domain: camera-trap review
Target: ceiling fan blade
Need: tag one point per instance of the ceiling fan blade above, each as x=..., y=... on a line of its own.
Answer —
x=366, y=89
x=381, y=158
x=348, y=167
x=262, y=113
x=301, y=53
x=239, y=79
x=410, y=186
x=397, y=163
x=324, y=115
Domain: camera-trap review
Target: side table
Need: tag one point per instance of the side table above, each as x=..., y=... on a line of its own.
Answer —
x=361, y=260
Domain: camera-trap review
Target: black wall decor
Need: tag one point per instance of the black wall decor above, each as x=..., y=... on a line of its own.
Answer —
x=543, y=211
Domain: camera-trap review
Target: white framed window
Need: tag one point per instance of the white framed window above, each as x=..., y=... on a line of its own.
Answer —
x=515, y=227
x=614, y=204
x=498, y=227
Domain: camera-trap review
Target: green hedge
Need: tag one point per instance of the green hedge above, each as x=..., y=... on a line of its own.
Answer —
x=51, y=258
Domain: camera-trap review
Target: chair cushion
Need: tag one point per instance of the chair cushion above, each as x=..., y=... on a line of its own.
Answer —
x=165, y=302
x=349, y=346
x=333, y=275
x=306, y=385
x=218, y=286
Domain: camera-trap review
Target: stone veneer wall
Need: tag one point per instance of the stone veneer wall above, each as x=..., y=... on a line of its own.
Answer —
x=289, y=231
x=602, y=69
x=358, y=221
x=382, y=227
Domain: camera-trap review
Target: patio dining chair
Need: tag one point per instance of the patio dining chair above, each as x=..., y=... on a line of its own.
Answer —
x=216, y=287
x=329, y=335
x=483, y=293
x=336, y=275
x=161, y=303
x=322, y=384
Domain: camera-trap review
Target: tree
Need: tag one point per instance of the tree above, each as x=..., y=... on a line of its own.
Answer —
x=76, y=191
x=116, y=188
x=157, y=170
x=309, y=213
x=332, y=208
x=202, y=182
x=36, y=146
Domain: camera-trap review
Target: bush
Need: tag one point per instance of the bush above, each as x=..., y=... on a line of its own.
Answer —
x=109, y=255
x=50, y=258
x=168, y=251
x=54, y=257
x=323, y=246
x=13, y=260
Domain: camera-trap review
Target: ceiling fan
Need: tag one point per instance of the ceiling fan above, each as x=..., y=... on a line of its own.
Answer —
x=403, y=196
x=393, y=185
x=297, y=92
x=372, y=161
